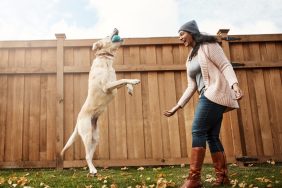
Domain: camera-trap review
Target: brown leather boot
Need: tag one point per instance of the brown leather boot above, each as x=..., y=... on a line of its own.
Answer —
x=220, y=166
x=196, y=162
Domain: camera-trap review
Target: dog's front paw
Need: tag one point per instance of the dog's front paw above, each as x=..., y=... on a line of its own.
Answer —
x=129, y=89
x=134, y=81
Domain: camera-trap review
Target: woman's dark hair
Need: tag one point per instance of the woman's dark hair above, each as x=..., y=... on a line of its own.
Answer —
x=200, y=39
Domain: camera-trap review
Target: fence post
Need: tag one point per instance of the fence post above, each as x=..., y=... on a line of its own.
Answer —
x=233, y=115
x=60, y=99
x=222, y=33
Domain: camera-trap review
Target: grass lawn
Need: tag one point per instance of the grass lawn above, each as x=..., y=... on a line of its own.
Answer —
x=262, y=175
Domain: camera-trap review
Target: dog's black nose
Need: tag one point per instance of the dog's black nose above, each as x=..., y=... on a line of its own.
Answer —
x=115, y=31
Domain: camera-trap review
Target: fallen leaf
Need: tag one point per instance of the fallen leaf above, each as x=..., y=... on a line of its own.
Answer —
x=113, y=186
x=234, y=182
x=209, y=178
x=242, y=184
x=170, y=184
x=22, y=181
x=161, y=175
x=2, y=181
x=234, y=174
x=12, y=180
x=90, y=175
x=233, y=164
x=156, y=169
x=264, y=180
x=124, y=168
x=140, y=168
x=163, y=183
x=44, y=185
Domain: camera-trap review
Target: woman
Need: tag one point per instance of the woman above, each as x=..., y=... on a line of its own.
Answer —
x=211, y=74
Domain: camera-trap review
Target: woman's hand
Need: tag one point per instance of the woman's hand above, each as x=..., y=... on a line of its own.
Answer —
x=172, y=111
x=238, y=91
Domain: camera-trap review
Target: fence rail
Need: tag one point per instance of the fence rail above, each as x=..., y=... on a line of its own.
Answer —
x=43, y=85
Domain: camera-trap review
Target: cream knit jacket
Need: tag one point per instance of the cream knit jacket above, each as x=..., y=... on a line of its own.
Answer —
x=218, y=76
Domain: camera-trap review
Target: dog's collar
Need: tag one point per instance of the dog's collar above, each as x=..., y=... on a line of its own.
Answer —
x=106, y=54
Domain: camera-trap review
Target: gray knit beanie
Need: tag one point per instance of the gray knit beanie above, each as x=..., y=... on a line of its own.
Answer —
x=190, y=27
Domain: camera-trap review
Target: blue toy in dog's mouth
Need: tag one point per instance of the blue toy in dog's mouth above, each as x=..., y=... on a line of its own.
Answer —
x=116, y=38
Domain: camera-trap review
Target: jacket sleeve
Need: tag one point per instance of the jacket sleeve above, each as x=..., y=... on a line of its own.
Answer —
x=188, y=93
x=218, y=57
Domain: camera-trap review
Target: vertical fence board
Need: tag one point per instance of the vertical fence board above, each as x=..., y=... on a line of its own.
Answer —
x=122, y=134
x=43, y=117
x=51, y=118
x=134, y=112
x=13, y=147
x=272, y=79
x=34, y=116
x=231, y=129
x=188, y=115
x=69, y=118
x=60, y=98
x=161, y=149
x=145, y=98
x=170, y=98
x=112, y=129
x=177, y=56
x=48, y=59
x=103, y=147
x=245, y=109
x=26, y=126
x=4, y=61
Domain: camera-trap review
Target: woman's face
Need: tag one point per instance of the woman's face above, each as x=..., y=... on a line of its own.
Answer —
x=186, y=38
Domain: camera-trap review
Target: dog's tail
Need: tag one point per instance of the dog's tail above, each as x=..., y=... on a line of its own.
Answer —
x=70, y=141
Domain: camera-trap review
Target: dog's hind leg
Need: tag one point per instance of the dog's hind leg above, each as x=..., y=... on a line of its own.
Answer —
x=87, y=135
x=95, y=140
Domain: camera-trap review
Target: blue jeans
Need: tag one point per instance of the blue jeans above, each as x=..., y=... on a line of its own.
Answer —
x=206, y=125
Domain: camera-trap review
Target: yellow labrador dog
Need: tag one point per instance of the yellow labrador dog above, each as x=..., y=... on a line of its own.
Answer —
x=102, y=87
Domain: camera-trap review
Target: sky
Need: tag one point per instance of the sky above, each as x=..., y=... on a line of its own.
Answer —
x=94, y=19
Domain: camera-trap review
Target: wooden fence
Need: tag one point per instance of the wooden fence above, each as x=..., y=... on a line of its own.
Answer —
x=43, y=85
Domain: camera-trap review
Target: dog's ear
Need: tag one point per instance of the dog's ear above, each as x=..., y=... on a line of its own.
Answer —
x=96, y=46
